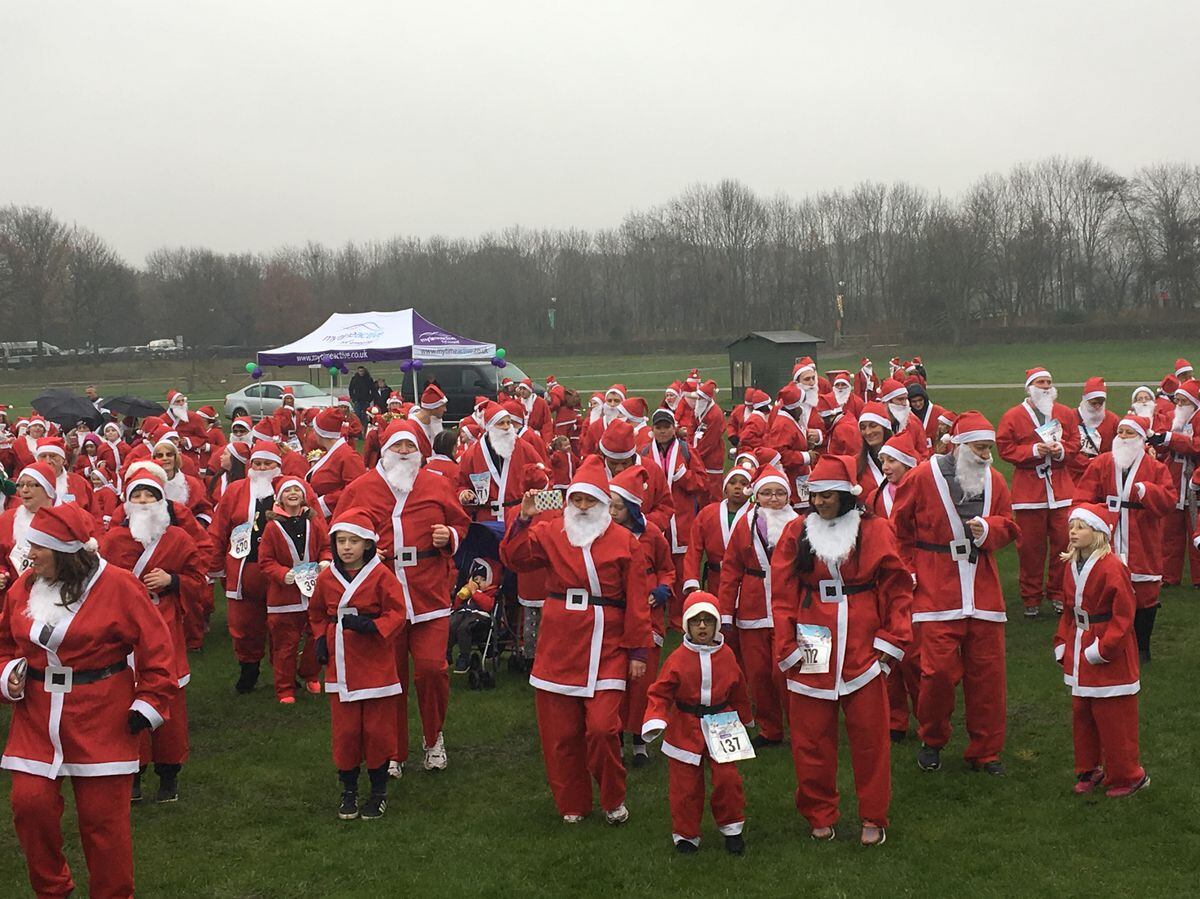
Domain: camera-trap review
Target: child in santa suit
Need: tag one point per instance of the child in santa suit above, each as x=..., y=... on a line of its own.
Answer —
x=699, y=678
x=295, y=535
x=473, y=603
x=356, y=611
x=1096, y=646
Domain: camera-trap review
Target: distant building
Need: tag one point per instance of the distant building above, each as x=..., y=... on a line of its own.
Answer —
x=764, y=359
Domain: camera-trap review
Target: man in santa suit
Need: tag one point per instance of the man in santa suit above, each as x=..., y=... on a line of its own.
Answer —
x=160, y=553
x=420, y=523
x=1137, y=488
x=525, y=434
x=1180, y=449
x=70, y=487
x=211, y=422
x=191, y=428
x=1042, y=485
x=752, y=432
x=952, y=514
x=566, y=417
x=35, y=490
x=842, y=391
x=866, y=385
x=430, y=411
x=1183, y=370
x=537, y=411
x=617, y=449
x=746, y=597
x=711, y=532
x=842, y=436
x=1141, y=402
x=25, y=446
x=602, y=416
x=1095, y=425
x=894, y=395
x=285, y=417
x=707, y=436
x=789, y=438
x=595, y=637
x=337, y=466
x=489, y=472
x=77, y=707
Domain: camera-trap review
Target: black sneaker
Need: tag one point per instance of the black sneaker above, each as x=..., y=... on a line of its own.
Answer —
x=761, y=742
x=1032, y=612
x=168, y=789
x=929, y=758
x=462, y=664
x=995, y=767
x=640, y=757
x=735, y=845
x=686, y=847
x=247, y=678
x=136, y=794
x=348, y=810
x=374, y=807
x=898, y=736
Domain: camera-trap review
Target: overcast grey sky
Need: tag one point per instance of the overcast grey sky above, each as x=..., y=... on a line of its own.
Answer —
x=245, y=125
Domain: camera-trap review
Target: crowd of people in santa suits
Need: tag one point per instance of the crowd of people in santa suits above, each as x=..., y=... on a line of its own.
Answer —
x=845, y=560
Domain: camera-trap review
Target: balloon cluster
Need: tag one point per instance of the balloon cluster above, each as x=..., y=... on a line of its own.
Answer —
x=498, y=360
x=253, y=370
x=335, y=366
x=411, y=365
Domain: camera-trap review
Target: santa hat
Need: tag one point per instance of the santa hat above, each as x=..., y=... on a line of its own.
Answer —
x=534, y=476
x=527, y=383
x=1094, y=388
x=145, y=474
x=630, y=485
x=618, y=389
x=1139, y=389
x=833, y=473
x=1032, y=374
x=207, y=412
x=699, y=602
x=265, y=449
x=52, y=445
x=891, y=389
x=840, y=377
x=1189, y=390
x=395, y=399
x=767, y=455
x=242, y=421
x=591, y=479
x=790, y=396
x=264, y=430
x=596, y=399
x=550, y=381
x=746, y=472
x=284, y=481
x=1169, y=385
x=174, y=396
x=165, y=435
x=66, y=529
x=240, y=450
x=1095, y=516
x=617, y=441
x=1139, y=423
x=902, y=449
x=755, y=398
x=827, y=405
x=493, y=413
x=634, y=409
x=675, y=387
x=769, y=474
x=44, y=475
x=406, y=429
x=289, y=394
x=971, y=427
x=90, y=437
x=878, y=413
x=709, y=389
x=35, y=419
x=803, y=365
x=864, y=363
x=354, y=521
x=432, y=397
x=1182, y=365
x=947, y=418
x=328, y=423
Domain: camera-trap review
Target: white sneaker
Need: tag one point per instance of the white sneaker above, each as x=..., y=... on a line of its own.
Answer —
x=395, y=769
x=435, y=755
x=572, y=819
x=619, y=815
x=1058, y=606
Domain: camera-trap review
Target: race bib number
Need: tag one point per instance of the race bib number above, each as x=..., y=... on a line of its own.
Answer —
x=306, y=577
x=726, y=738
x=239, y=541
x=802, y=488
x=19, y=557
x=482, y=483
x=1050, y=432
x=815, y=645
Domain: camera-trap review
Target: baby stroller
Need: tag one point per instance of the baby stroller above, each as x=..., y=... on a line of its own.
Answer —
x=494, y=635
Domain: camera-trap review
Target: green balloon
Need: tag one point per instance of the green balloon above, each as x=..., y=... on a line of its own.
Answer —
x=250, y=366
x=333, y=369
x=501, y=353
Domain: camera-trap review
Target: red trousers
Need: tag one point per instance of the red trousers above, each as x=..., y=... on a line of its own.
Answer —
x=633, y=704
x=581, y=741
x=1106, y=736
x=102, y=807
x=196, y=607
x=168, y=743
x=675, y=602
x=1147, y=593
x=686, y=793
x=426, y=643
x=903, y=689
x=971, y=651
x=763, y=678
x=286, y=630
x=1177, y=543
x=363, y=731
x=247, y=617
x=814, y=726
x=1043, y=533
x=716, y=490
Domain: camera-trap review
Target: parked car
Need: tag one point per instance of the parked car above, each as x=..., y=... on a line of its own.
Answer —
x=261, y=398
x=462, y=382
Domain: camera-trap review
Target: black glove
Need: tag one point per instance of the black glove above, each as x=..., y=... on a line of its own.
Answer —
x=138, y=722
x=322, y=650
x=1156, y=440
x=359, y=624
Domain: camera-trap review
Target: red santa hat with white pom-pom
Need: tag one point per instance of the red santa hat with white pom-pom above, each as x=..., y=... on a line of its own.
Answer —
x=65, y=529
x=833, y=473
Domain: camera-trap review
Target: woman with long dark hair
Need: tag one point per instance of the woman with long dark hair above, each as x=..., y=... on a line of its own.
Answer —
x=876, y=428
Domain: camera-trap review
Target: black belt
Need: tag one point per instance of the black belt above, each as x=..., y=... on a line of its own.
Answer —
x=593, y=600
x=756, y=572
x=1098, y=618
x=701, y=710
x=83, y=677
x=420, y=554
x=973, y=556
x=1125, y=504
x=847, y=590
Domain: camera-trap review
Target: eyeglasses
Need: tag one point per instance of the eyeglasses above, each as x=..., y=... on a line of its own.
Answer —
x=772, y=494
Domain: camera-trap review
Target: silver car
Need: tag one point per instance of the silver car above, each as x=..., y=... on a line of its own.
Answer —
x=261, y=398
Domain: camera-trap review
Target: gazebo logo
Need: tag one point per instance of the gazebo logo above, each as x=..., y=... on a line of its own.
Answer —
x=359, y=334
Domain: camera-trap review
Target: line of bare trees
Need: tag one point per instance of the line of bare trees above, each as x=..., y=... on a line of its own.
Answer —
x=1058, y=241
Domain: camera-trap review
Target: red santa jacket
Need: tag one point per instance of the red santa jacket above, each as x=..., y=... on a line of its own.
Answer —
x=733, y=427
x=104, y=460
x=361, y=666
x=708, y=440
x=844, y=438
x=753, y=433
x=285, y=421
x=333, y=473
x=176, y=554
x=73, y=489
x=956, y=574
x=1144, y=495
x=706, y=545
x=660, y=569
x=236, y=508
x=595, y=610
x=444, y=466
x=404, y=522
x=929, y=422
x=563, y=463
x=684, y=473
x=105, y=505
x=84, y=730
x=277, y=555
x=1095, y=643
x=539, y=420
x=193, y=496
x=503, y=481
x=13, y=552
x=863, y=603
x=1092, y=441
x=694, y=681
x=1181, y=452
x=747, y=589
x=1038, y=483
x=789, y=439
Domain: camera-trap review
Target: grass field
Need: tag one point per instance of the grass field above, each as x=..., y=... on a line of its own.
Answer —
x=256, y=816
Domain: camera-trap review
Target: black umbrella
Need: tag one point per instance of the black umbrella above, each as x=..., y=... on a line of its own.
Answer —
x=133, y=406
x=65, y=408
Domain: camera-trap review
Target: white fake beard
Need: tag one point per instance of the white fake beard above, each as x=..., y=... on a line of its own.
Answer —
x=584, y=526
x=1183, y=414
x=776, y=520
x=841, y=395
x=1089, y=416
x=45, y=603
x=833, y=540
x=22, y=518
x=672, y=402
x=503, y=442
x=1144, y=409
x=527, y=403
x=176, y=489
x=401, y=471
x=1127, y=450
x=808, y=396
x=180, y=411
x=1043, y=399
x=702, y=405
x=147, y=521
x=260, y=482
x=970, y=471
x=900, y=413
x=434, y=427
x=608, y=414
